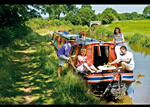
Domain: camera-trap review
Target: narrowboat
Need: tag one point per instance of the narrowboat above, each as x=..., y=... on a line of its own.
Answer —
x=99, y=52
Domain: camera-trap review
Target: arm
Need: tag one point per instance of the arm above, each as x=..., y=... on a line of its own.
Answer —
x=113, y=39
x=122, y=40
x=115, y=61
x=126, y=60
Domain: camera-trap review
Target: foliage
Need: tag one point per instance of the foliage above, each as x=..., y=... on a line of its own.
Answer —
x=55, y=9
x=133, y=16
x=12, y=21
x=36, y=24
x=86, y=6
x=79, y=28
x=146, y=10
x=73, y=18
x=135, y=38
x=140, y=39
x=108, y=15
x=86, y=15
x=102, y=31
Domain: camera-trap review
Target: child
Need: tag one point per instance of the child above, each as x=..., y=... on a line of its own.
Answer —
x=83, y=63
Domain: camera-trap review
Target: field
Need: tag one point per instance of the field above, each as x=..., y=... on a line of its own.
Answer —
x=129, y=27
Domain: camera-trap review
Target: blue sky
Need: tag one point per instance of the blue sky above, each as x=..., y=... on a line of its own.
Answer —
x=119, y=8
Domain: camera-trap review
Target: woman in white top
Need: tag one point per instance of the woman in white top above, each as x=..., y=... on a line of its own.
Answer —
x=118, y=39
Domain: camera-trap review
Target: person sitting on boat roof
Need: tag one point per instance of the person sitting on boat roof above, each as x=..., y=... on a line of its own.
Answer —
x=118, y=39
x=63, y=54
x=84, y=64
x=126, y=60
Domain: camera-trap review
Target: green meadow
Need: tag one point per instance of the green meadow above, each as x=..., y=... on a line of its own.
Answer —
x=129, y=27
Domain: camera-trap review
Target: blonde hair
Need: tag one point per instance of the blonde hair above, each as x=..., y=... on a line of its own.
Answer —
x=83, y=50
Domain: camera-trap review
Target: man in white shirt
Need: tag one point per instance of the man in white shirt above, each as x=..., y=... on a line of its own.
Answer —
x=126, y=59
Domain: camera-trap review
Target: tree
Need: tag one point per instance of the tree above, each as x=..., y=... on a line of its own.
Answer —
x=98, y=16
x=12, y=20
x=86, y=15
x=56, y=9
x=17, y=13
x=108, y=15
x=73, y=18
x=86, y=6
x=146, y=10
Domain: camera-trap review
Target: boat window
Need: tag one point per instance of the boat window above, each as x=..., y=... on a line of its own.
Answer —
x=100, y=59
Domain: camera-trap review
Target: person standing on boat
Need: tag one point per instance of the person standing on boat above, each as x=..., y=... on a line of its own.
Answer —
x=126, y=59
x=83, y=37
x=63, y=54
x=118, y=39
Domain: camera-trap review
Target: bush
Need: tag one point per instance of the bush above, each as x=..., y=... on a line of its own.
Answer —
x=8, y=34
x=102, y=31
x=37, y=24
x=79, y=28
x=140, y=39
x=134, y=38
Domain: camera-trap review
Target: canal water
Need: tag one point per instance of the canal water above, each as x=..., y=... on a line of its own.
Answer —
x=139, y=93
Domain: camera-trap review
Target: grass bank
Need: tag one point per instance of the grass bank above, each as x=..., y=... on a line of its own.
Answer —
x=39, y=69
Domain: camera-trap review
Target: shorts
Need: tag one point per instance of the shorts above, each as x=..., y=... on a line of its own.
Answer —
x=129, y=67
x=62, y=59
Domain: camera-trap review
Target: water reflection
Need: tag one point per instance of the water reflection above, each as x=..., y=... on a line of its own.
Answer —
x=141, y=49
x=140, y=75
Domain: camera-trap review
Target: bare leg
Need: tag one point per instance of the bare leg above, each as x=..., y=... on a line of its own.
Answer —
x=59, y=70
x=87, y=67
x=71, y=63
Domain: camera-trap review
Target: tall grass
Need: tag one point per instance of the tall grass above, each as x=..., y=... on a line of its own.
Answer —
x=46, y=88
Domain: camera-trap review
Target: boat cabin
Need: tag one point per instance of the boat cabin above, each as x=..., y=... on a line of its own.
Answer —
x=98, y=52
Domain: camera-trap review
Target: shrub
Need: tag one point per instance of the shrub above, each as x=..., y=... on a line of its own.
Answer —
x=143, y=41
x=110, y=33
x=102, y=31
x=134, y=38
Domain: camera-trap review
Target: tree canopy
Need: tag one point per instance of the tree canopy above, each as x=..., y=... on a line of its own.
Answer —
x=86, y=15
x=146, y=10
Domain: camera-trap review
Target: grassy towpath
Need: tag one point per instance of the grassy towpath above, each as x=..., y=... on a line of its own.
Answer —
x=29, y=76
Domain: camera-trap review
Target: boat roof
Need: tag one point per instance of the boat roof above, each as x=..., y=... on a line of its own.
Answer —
x=88, y=40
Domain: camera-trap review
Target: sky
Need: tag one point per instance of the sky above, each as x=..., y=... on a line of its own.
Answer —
x=119, y=8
